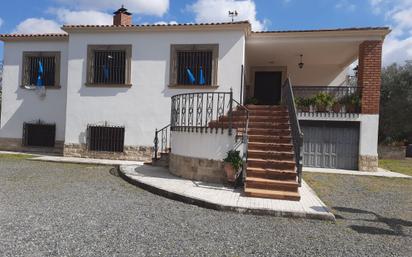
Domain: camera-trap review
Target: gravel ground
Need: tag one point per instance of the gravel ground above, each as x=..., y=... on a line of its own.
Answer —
x=49, y=209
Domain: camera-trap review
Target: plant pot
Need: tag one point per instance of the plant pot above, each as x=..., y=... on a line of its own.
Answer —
x=337, y=108
x=230, y=172
x=350, y=108
x=305, y=109
x=320, y=108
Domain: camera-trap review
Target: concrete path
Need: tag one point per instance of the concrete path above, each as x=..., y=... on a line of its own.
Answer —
x=85, y=160
x=160, y=181
x=380, y=173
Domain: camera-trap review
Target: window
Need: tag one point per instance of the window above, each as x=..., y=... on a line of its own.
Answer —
x=39, y=134
x=109, y=65
x=41, y=68
x=106, y=138
x=194, y=65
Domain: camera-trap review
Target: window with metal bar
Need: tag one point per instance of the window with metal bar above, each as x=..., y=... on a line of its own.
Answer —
x=109, y=65
x=194, y=65
x=41, y=69
x=106, y=138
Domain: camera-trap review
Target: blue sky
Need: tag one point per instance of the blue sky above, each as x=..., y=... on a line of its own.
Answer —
x=47, y=15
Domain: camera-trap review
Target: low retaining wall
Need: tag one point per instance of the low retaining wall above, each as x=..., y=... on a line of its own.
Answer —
x=130, y=153
x=391, y=152
x=197, y=169
x=15, y=144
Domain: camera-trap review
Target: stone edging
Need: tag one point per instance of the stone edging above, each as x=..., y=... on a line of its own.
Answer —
x=214, y=206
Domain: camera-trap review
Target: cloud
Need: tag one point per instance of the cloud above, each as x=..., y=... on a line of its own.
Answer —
x=147, y=7
x=38, y=26
x=345, y=5
x=66, y=16
x=166, y=23
x=398, y=45
x=217, y=11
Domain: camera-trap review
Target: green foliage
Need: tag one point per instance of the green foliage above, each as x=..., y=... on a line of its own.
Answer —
x=396, y=103
x=233, y=157
x=323, y=100
x=351, y=101
x=252, y=100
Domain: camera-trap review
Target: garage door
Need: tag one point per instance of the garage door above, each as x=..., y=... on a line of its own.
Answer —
x=330, y=144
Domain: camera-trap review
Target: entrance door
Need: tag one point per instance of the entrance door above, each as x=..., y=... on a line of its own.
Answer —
x=267, y=87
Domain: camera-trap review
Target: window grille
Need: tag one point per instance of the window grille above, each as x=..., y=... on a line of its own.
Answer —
x=106, y=138
x=49, y=70
x=38, y=134
x=199, y=63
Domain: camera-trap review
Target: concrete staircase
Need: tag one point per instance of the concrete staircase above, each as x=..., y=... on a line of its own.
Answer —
x=271, y=169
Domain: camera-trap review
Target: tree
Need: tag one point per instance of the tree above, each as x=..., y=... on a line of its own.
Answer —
x=396, y=103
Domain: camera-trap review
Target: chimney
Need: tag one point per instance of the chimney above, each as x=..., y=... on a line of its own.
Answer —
x=122, y=17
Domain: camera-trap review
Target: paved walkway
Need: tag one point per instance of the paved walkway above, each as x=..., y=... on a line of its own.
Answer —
x=380, y=173
x=160, y=181
x=85, y=160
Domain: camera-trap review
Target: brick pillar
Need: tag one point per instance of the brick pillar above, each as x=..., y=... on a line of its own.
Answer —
x=369, y=75
x=369, y=78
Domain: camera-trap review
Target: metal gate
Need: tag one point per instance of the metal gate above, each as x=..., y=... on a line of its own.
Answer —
x=330, y=144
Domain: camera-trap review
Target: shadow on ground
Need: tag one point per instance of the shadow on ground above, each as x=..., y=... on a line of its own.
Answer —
x=395, y=226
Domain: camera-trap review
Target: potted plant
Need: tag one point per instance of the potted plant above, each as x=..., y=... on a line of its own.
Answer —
x=336, y=106
x=323, y=101
x=252, y=100
x=351, y=102
x=233, y=162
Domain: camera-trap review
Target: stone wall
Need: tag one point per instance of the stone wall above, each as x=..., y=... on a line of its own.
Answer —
x=391, y=152
x=197, y=169
x=368, y=163
x=15, y=145
x=131, y=153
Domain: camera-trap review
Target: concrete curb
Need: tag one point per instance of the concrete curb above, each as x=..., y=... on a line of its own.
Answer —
x=218, y=207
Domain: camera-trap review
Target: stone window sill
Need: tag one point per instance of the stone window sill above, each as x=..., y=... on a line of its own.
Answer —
x=108, y=85
x=194, y=86
x=34, y=87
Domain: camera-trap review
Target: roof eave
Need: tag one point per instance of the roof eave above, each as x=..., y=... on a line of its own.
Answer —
x=33, y=37
x=378, y=32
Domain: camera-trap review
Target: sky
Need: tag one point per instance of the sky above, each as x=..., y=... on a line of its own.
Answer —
x=46, y=16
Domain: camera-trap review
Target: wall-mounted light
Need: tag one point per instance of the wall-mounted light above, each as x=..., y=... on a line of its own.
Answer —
x=301, y=64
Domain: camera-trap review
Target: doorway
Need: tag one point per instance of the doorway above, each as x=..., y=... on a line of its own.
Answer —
x=267, y=88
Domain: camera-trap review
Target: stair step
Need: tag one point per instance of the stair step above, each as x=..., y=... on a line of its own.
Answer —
x=271, y=164
x=272, y=194
x=241, y=124
x=269, y=147
x=256, y=119
x=272, y=184
x=266, y=107
x=270, y=139
x=271, y=173
x=283, y=155
x=273, y=132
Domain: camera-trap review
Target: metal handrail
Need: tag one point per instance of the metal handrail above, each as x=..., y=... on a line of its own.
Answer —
x=194, y=111
x=164, y=143
x=297, y=135
x=245, y=138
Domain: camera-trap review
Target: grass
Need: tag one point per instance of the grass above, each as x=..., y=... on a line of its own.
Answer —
x=401, y=166
x=15, y=156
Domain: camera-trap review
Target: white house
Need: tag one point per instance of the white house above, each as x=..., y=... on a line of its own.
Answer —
x=102, y=91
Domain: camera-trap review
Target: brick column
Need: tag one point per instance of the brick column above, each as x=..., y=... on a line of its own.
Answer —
x=369, y=75
x=369, y=78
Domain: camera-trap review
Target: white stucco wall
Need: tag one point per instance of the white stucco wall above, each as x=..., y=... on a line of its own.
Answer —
x=368, y=140
x=21, y=105
x=212, y=146
x=146, y=105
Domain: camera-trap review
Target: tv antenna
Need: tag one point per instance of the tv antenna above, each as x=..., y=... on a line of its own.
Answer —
x=233, y=14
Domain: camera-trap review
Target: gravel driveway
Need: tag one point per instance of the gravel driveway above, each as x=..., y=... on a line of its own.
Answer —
x=49, y=209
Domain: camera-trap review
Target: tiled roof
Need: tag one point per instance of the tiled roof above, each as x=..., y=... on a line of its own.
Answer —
x=157, y=25
x=49, y=35
x=323, y=30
